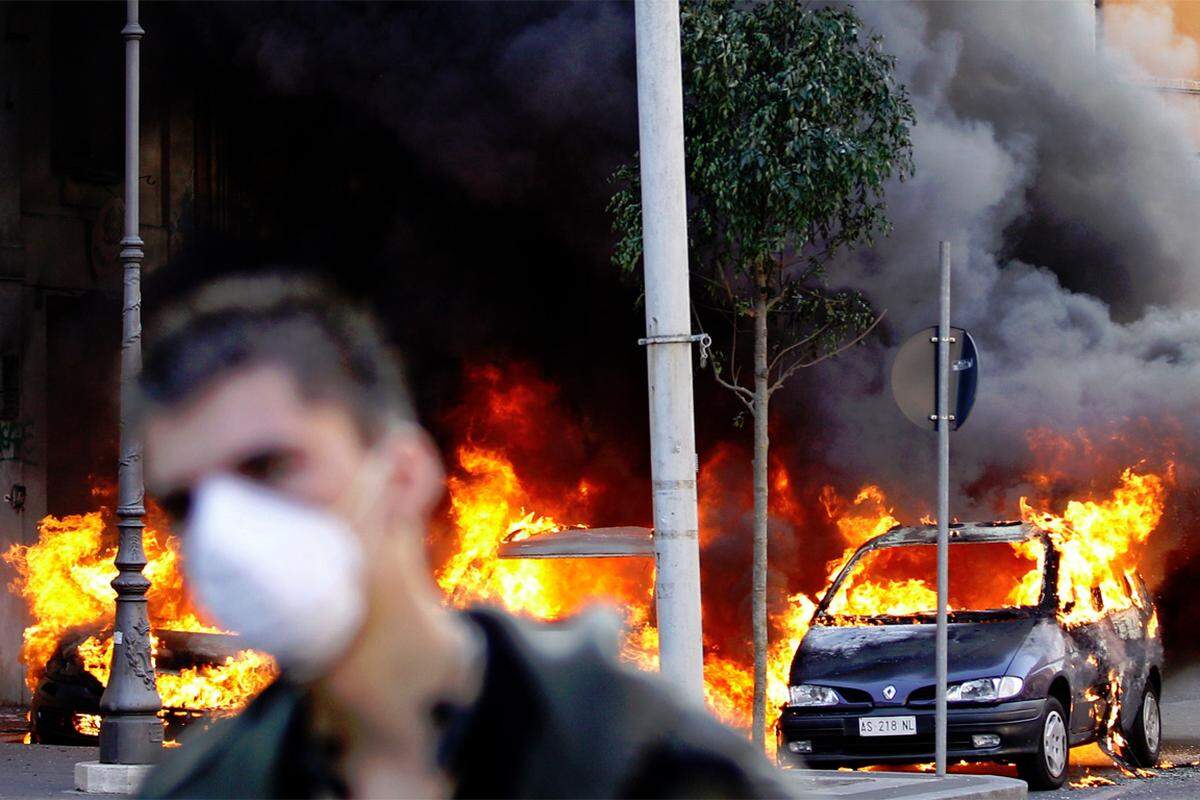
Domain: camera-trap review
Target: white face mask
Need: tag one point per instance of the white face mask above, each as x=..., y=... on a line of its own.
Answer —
x=287, y=577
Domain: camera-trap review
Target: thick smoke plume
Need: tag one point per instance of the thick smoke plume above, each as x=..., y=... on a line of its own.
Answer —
x=1068, y=193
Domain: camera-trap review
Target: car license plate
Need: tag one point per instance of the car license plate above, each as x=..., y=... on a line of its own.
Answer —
x=887, y=726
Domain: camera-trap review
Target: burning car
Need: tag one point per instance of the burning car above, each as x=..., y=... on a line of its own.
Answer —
x=65, y=578
x=65, y=708
x=1036, y=666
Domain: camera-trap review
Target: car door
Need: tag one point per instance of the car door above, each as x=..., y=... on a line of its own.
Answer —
x=1135, y=630
x=1099, y=658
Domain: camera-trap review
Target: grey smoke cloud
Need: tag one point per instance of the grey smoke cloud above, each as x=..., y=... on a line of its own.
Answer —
x=1029, y=144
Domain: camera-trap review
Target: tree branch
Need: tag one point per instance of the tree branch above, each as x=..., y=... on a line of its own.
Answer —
x=733, y=349
x=728, y=287
x=799, y=365
x=800, y=343
x=740, y=392
x=712, y=283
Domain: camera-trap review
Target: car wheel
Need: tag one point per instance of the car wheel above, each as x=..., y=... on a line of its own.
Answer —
x=1146, y=736
x=1047, y=768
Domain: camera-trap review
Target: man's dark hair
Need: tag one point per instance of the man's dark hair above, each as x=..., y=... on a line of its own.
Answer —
x=333, y=348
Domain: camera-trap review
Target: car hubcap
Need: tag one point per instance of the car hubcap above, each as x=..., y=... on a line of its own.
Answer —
x=1151, y=723
x=1054, y=742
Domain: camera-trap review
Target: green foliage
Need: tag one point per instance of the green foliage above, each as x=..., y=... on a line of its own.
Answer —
x=794, y=124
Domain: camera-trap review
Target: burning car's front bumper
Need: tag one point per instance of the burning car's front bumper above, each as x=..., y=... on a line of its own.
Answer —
x=833, y=734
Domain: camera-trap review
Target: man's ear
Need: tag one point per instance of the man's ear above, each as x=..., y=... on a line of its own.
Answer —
x=417, y=475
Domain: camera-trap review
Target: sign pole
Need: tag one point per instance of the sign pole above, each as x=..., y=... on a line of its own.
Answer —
x=913, y=376
x=943, y=541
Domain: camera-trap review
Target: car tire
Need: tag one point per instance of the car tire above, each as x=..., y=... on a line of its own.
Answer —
x=1047, y=768
x=1145, y=738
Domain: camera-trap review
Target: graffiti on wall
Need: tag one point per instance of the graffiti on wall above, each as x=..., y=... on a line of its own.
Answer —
x=16, y=441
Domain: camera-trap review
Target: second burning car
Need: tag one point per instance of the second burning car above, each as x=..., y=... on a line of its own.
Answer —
x=1028, y=680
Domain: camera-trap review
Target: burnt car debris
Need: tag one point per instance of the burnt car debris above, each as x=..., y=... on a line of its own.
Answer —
x=65, y=709
x=1024, y=686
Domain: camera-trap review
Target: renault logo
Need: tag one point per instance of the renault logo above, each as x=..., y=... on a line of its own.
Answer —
x=889, y=692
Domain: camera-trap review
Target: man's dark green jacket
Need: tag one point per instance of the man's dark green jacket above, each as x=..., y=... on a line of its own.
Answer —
x=558, y=716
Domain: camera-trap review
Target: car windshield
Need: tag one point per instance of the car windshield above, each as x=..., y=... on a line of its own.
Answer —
x=901, y=581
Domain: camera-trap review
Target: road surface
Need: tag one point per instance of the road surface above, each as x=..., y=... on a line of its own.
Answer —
x=1181, y=730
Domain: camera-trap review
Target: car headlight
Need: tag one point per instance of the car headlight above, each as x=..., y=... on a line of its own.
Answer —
x=808, y=695
x=984, y=690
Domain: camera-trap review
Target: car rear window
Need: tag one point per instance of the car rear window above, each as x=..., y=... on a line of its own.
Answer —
x=902, y=580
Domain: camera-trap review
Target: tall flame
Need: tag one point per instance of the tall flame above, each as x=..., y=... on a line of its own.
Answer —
x=65, y=580
x=1099, y=544
x=859, y=521
x=489, y=503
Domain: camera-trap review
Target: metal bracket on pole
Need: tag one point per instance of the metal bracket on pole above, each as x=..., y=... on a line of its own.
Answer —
x=703, y=338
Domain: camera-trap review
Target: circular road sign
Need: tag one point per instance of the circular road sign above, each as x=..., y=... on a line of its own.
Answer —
x=914, y=377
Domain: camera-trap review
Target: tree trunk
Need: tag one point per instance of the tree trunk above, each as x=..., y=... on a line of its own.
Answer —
x=761, y=442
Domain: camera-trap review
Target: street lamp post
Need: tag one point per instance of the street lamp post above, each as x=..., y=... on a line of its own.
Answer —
x=131, y=732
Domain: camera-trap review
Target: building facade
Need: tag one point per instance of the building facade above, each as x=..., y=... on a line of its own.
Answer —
x=61, y=149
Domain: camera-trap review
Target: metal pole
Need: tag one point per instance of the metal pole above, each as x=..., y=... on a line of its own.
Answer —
x=943, y=545
x=131, y=732
x=669, y=363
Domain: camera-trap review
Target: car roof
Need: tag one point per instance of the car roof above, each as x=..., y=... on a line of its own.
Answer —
x=1010, y=531
x=965, y=532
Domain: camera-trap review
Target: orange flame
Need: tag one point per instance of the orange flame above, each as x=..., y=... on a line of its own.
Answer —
x=64, y=578
x=489, y=503
x=1099, y=544
x=859, y=521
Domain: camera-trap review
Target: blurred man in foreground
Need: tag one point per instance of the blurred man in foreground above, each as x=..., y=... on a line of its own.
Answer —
x=280, y=434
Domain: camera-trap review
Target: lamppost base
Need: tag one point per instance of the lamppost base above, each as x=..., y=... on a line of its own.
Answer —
x=93, y=777
x=132, y=739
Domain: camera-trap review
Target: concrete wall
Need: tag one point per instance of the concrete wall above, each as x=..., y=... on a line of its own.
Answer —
x=22, y=461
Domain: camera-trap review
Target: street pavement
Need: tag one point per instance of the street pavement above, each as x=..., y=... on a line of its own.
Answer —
x=826, y=785
x=38, y=772
x=29, y=772
x=42, y=772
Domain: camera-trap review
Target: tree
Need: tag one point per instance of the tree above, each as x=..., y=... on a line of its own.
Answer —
x=794, y=123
